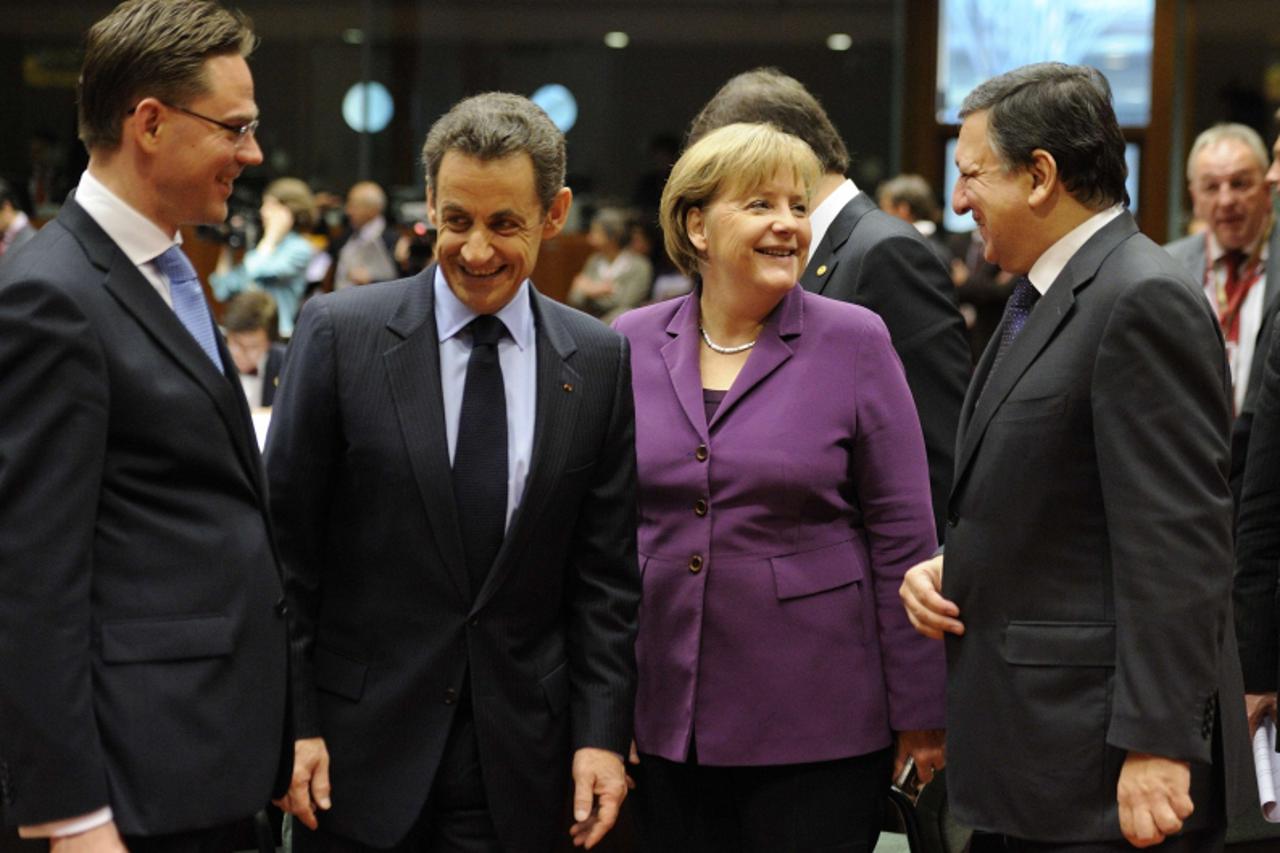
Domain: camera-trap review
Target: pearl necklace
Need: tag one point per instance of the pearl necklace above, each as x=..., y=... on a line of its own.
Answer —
x=723, y=350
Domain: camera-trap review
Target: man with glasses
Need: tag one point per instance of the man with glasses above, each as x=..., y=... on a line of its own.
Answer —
x=143, y=643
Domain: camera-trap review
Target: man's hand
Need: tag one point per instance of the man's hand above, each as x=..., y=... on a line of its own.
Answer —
x=1259, y=706
x=100, y=839
x=1154, y=795
x=926, y=746
x=930, y=613
x=599, y=787
x=309, y=788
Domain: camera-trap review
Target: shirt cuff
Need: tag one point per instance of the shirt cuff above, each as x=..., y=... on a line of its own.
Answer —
x=69, y=826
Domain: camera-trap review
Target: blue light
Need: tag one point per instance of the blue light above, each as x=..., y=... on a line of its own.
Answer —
x=558, y=103
x=380, y=107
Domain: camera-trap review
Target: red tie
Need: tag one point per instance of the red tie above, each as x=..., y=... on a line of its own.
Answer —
x=1234, y=290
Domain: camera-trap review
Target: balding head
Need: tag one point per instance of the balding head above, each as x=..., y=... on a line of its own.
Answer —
x=365, y=202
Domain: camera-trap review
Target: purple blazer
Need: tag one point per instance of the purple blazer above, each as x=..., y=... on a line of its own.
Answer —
x=773, y=541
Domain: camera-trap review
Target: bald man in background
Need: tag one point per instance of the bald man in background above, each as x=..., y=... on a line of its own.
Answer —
x=368, y=253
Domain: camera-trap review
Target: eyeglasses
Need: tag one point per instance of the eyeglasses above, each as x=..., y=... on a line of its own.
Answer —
x=242, y=132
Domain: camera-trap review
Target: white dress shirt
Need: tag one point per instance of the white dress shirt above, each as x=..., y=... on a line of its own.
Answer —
x=821, y=217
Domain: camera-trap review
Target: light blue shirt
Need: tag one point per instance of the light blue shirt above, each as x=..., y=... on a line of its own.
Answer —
x=518, y=355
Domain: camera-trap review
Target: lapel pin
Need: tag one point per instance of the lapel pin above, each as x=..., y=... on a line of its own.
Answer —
x=568, y=387
x=822, y=270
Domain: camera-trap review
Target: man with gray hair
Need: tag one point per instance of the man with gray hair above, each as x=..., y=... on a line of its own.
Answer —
x=368, y=252
x=1226, y=178
x=452, y=471
x=1094, y=696
x=143, y=648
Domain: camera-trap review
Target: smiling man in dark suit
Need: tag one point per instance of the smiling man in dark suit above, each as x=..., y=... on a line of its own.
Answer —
x=861, y=254
x=1094, y=693
x=142, y=640
x=452, y=468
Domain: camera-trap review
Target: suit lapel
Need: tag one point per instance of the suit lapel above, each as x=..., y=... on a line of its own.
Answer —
x=1049, y=314
x=558, y=393
x=413, y=370
x=140, y=300
x=680, y=354
x=770, y=352
x=826, y=256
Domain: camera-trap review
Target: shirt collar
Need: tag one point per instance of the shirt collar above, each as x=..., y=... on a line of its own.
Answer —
x=452, y=316
x=1049, y=265
x=372, y=229
x=138, y=237
x=1216, y=252
x=823, y=215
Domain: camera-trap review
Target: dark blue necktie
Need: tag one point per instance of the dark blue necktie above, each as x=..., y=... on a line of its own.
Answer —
x=1016, y=313
x=188, y=300
x=480, y=453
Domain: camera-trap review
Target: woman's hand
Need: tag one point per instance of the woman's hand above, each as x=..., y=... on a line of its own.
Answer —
x=277, y=221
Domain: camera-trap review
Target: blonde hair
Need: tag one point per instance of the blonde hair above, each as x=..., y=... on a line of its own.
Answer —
x=295, y=195
x=735, y=158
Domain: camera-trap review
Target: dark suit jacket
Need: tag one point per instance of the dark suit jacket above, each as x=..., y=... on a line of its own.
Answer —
x=1190, y=251
x=1089, y=552
x=390, y=631
x=271, y=373
x=1257, y=582
x=142, y=654
x=880, y=262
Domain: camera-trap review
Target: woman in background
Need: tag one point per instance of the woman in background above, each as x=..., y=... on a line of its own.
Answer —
x=278, y=263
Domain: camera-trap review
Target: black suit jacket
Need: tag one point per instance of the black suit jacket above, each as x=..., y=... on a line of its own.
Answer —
x=1257, y=582
x=142, y=652
x=1089, y=553
x=872, y=259
x=390, y=632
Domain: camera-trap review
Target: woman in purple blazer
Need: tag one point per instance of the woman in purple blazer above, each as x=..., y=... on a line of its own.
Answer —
x=783, y=494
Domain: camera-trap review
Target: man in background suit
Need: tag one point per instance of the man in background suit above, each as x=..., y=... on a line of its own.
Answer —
x=452, y=469
x=1235, y=259
x=251, y=322
x=143, y=648
x=1094, y=693
x=863, y=255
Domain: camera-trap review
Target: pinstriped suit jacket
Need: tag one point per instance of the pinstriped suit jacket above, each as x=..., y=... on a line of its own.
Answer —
x=389, y=630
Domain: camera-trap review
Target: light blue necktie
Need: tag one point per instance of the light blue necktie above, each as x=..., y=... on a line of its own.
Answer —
x=188, y=300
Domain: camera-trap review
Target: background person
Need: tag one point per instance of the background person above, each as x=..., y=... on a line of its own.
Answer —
x=783, y=493
x=278, y=263
x=250, y=323
x=614, y=278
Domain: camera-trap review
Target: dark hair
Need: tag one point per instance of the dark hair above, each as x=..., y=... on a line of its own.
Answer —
x=9, y=196
x=495, y=125
x=914, y=191
x=1064, y=110
x=151, y=48
x=252, y=310
x=767, y=96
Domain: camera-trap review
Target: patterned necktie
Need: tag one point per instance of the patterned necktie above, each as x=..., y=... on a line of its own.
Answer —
x=188, y=300
x=1016, y=312
x=480, y=453
x=1234, y=291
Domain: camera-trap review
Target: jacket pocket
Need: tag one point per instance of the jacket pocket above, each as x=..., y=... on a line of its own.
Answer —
x=185, y=638
x=555, y=687
x=1060, y=644
x=819, y=570
x=339, y=674
x=1034, y=409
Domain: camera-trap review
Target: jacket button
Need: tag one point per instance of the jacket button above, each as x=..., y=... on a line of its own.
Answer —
x=695, y=563
x=281, y=607
x=953, y=520
x=699, y=507
x=450, y=696
x=474, y=622
x=701, y=453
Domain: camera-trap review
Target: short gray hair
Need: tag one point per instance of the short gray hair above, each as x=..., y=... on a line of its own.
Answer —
x=1223, y=131
x=496, y=125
